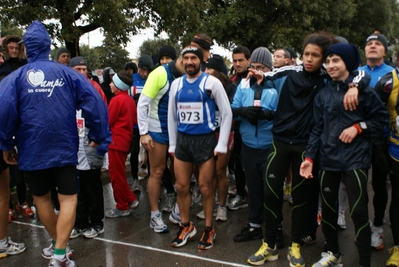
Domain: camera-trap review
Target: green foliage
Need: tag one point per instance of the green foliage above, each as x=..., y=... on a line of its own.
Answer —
x=10, y=28
x=252, y=23
x=102, y=56
x=111, y=54
x=152, y=46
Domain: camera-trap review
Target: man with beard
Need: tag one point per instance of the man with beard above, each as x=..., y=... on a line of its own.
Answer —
x=192, y=141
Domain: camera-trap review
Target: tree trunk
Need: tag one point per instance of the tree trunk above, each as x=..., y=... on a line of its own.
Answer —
x=73, y=47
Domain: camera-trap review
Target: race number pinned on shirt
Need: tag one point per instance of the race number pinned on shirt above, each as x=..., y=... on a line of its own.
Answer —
x=217, y=118
x=81, y=127
x=190, y=112
x=80, y=122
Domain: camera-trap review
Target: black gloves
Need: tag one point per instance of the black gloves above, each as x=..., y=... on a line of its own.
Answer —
x=266, y=115
x=249, y=113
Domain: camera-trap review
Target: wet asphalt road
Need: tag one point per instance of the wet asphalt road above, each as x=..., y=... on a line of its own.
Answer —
x=129, y=241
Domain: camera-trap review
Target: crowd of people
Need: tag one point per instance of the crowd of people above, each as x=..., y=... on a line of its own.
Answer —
x=305, y=133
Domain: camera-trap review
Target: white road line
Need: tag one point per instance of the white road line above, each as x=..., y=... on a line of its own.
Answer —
x=29, y=224
x=150, y=248
x=171, y=252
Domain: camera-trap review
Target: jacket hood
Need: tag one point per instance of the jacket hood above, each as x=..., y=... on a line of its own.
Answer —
x=106, y=78
x=37, y=42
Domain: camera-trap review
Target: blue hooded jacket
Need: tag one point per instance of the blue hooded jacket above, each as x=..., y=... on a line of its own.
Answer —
x=38, y=107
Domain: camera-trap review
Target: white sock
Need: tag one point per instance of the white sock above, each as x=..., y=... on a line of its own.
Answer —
x=154, y=213
x=176, y=209
x=3, y=242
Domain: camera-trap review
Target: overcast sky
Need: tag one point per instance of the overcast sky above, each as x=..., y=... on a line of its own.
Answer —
x=95, y=38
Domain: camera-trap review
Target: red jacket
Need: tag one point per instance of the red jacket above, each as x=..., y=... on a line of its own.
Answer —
x=122, y=115
x=98, y=89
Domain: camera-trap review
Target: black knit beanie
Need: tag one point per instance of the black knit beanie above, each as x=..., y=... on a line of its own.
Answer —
x=168, y=51
x=349, y=54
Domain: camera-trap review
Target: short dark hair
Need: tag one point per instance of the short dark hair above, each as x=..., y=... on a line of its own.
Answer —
x=125, y=77
x=321, y=39
x=244, y=50
x=287, y=53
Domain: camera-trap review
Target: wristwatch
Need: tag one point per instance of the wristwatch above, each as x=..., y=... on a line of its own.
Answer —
x=363, y=125
x=352, y=84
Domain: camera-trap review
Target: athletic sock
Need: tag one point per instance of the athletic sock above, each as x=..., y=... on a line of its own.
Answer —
x=59, y=253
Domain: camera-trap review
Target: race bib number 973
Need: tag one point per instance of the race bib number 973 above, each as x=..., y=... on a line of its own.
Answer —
x=190, y=112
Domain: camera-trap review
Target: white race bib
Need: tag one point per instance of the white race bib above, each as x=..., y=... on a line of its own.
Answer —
x=217, y=118
x=190, y=112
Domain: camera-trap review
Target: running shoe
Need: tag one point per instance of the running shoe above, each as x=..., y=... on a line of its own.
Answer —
x=238, y=202
x=93, y=232
x=134, y=204
x=114, y=213
x=136, y=187
x=377, y=233
x=66, y=262
x=294, y=256
x=393, y=260
x=174, y=216
x=249, y=233
x=221, y=214
x=12, y=248
x=48, y=252
x=157, y=224
x=169, y=202
x=307, y=240
x=328, y=259
x=185, y=232
x=11, y=215
x=25, y=209
x=207, y=238
x=263, y=254
x=75, y=233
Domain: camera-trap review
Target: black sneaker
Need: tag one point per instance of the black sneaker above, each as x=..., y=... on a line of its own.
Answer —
x=280, y=237
x=249, y=233
x=308, y=239
x=207, y=239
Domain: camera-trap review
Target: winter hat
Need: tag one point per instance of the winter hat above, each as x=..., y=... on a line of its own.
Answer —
x=111, y=71
x=292, y=52
x=341, y=40
x=262, y=55
x=168, y=51
x=131, y=65
x=61, y=51
x=195, y=50
x=77, y=61
x=215, y=62
x=378, y=37
x=145, y=61
x=349, y=54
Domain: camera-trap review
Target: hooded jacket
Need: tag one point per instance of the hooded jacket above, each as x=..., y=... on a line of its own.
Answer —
x=105, y=84
x=331, y=119
x=293, y=119
x=257, y=136
x=38, y=107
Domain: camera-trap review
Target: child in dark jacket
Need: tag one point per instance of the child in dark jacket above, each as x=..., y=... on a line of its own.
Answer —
x=341, y=141
x=122, y=117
